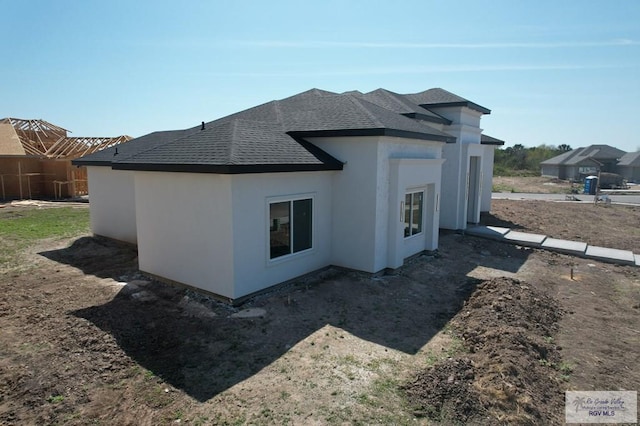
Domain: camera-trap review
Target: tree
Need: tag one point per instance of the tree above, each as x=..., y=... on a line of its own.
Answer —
x=519, y=160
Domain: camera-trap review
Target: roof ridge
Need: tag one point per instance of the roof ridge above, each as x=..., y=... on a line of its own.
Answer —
x=363, y=108
x=234, y=130
x=278, y=111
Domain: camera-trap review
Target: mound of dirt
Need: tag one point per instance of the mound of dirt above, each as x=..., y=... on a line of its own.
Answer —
x=508, y=369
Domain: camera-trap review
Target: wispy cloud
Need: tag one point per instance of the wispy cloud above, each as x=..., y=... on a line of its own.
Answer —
x=282, y=44
x=414, y=70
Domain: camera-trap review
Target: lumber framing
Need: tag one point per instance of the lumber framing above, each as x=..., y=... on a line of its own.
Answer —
x=43, y=168
x=41, y=138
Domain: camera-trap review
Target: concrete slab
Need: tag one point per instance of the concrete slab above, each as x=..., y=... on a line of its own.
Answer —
x=611, y=255
x=565, y=246
x=494, y=232
x=525, y=239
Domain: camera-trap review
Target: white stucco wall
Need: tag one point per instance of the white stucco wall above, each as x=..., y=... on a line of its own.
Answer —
x=404, y=166
x=452, y=198
x=455, y=171
x=361, y=196
x=459, y=115
x=487, y=177
x=473, y=208
x=412, y=175
x=185, y=229
x=354, y=203
x=252, y=193
x=112, y=203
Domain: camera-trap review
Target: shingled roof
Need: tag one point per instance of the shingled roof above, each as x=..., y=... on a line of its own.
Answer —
x=630, y=159
x=434, y=98
x=271, y=137
x=578, y=155
x=402, y=105
x=235, y=146
x=490, y=140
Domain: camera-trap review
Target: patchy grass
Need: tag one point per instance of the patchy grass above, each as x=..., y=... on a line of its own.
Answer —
x=21, y=228
x=31, y=225
x=502, y=188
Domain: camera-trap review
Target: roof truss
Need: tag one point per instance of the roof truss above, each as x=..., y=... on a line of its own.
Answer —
x=41, y=138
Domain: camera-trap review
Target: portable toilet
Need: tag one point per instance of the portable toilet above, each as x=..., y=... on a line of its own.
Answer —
x=590, y=185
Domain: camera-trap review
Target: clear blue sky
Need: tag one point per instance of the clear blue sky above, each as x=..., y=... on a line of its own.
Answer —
x=551, y=71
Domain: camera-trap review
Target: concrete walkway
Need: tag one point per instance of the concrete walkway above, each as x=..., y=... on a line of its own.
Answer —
x=575, y=248
x=633, y=198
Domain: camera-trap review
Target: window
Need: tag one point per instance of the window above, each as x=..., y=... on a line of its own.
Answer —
x=413, y=213
x=290, y=227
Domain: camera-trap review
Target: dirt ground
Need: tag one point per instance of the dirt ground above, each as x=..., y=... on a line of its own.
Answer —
x=614, y=226
x=533, y=184
x=501, y=329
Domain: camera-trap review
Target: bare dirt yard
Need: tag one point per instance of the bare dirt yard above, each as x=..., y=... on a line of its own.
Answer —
x=532, y=184
x=479, y=332
x=614, y=226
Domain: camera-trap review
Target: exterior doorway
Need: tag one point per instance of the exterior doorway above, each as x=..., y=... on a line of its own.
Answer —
x=473, y=190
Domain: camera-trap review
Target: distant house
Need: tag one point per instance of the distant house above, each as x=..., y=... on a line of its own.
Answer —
x=581, y=162
x=629, y=166
x=35, y=159
x=356, y=180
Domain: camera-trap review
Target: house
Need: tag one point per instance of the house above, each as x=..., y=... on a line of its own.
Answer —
x=629, y=167
x=581, y=162
x=35, y=159
x=355, y=180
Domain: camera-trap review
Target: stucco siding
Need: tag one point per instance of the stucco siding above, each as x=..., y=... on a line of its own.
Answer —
x=407, y=176
x=112, y=203
x=254, y=270
x=451, y=199
x=363, y=203
x=354, y=201
x=185, y=229
x=455, y=170
x=407, y=164
x=459, y=115
x=487, y=177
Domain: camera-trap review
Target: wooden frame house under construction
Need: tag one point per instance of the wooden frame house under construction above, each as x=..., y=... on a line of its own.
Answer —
x=35, y=159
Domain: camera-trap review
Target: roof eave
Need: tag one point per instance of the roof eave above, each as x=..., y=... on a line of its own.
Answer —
x=373, y=132
x=467, y=104
x=496, y=143
x=226, y=168
x=79, y=162
x=425, y=117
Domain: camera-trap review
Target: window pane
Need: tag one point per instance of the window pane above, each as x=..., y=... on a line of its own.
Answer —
x=407, y=215
x=416, y=209
x=302, y=225
x=279, y=231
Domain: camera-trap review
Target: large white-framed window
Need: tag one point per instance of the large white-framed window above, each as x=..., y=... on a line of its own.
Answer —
x=290, y=226
x=413, y=213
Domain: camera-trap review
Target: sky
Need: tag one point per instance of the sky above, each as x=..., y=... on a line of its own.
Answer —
x=552, y=72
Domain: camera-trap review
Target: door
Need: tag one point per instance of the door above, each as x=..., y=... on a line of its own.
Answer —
x=473, y=192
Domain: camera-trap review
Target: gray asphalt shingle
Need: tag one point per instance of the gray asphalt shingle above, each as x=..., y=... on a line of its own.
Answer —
x=439, y=97
x=271, y=134
x=630, y=159
x=578, y=155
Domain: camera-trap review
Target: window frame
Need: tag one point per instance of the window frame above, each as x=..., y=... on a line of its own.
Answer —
x=411, y=193
x=312, y=227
